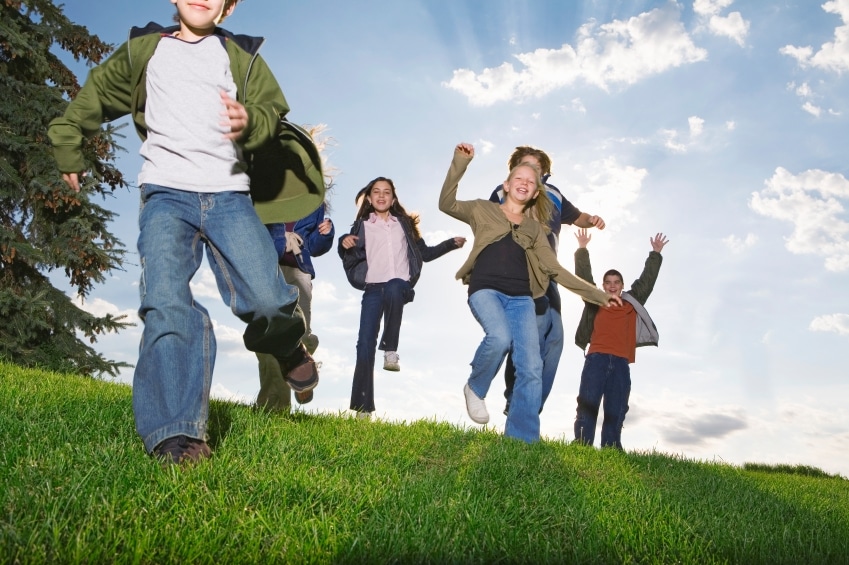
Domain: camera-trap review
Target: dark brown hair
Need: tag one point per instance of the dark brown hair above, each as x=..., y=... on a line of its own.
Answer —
x=523, y=151
x=366, y=207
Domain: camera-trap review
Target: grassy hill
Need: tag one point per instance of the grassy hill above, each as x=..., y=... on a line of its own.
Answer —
x=77, y=487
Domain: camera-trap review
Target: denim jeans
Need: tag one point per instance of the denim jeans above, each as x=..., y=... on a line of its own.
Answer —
x=509, y=323
x=607, y=376
x=274, y=393
x=550, y=326
x=380, y=300
x=177, y=351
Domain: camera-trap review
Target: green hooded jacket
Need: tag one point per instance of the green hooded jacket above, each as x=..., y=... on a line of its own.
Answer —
x=117, y=87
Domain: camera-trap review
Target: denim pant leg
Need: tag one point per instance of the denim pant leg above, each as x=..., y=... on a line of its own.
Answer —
x=362, y=390
x=550, y=326
x=523, y=417
x=616, y=394
x=177, y=350
x=551, y=349
x=488, y=308
x=243, y=259
x=593, y=379
x=395, y=295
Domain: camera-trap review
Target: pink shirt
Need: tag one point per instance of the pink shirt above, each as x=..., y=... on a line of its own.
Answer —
x=386, y=250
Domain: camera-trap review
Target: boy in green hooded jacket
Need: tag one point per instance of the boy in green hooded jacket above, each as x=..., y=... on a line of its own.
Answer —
x=201, y=99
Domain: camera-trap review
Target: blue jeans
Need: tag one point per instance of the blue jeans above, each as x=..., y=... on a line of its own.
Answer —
x=380, y=300
x=509, y=323
x=607, y=376
x=550, y=326
x=177, y=351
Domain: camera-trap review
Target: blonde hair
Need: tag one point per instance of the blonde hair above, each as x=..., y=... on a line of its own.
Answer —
x=540, y=208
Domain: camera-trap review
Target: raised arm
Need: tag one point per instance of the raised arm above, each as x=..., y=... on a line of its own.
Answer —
x=448, y=203
x=642, y=288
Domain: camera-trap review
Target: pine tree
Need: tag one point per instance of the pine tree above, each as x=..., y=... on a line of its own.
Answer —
x=44, y=225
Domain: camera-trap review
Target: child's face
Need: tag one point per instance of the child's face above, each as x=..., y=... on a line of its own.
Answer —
x=381, y=197
x=531, y=160
x=521, y=186
x=201, y=15
x=612, y=285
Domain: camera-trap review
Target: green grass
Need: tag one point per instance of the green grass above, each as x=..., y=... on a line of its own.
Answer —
x=77, y=487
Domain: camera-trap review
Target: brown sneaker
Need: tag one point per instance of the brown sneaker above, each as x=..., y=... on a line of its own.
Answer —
x=301, y=374
x=182, y=450
x=304, y=397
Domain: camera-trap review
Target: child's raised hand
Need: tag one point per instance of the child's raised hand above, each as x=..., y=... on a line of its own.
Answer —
x=466, y=149
x=234, y=116
x=583, y=237
x=349, y=241
x=460, y=241
x=658, y=241
x=324, y=227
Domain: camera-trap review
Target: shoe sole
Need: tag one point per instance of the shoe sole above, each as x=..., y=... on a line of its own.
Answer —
x=304, y=397
x=308, y=369
x=393, y=368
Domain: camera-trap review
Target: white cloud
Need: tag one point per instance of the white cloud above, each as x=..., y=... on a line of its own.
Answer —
x=832, y=56
x=99, y=307
x=732, y=26
x=609, y=189
x=811, y=109
x=813, y=202
x=621, y=52
x=738, y=245
x=697, y=125
x=834, y=323
x=730, y=125
x=484, y=147
x=203, y=284
x=672, y=139
x=710, y=7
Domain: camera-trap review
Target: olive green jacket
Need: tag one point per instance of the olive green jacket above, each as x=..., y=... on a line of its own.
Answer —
x=489, y=224
x=636, y=296
x=117, y=87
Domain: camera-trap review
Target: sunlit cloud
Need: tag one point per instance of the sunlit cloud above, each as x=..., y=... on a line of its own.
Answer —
x=813, y=202
x=621, y=52
x=739, y=245
x=833, y=323
x=100, y=308
x=833, y=55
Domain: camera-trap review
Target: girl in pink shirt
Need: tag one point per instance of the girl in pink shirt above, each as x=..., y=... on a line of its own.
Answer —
x=383, y=256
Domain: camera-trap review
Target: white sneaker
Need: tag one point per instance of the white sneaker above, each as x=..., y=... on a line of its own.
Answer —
x=391, y=361
x=363, y=415
x=475, y=406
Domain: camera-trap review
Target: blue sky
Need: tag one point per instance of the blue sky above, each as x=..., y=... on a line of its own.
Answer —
x=720, y=123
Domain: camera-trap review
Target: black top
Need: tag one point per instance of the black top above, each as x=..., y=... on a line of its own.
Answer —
x=502, y=266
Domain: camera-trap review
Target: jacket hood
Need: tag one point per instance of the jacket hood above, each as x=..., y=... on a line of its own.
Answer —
x=246, y=42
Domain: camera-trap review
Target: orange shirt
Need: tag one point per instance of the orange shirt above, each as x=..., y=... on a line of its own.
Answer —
x=615, y=332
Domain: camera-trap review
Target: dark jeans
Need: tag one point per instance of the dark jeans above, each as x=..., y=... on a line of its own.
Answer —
x=384, y=300
x=607, y=376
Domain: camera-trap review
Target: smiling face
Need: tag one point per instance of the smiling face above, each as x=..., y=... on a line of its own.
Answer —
x=522, y=185
x=199, y=17
x=612, y=284
x=381, y=197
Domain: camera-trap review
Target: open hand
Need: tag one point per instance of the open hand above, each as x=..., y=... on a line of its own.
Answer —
x=583, y=237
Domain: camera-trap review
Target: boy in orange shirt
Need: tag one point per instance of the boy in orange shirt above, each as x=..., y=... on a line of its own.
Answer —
x=613, y=335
